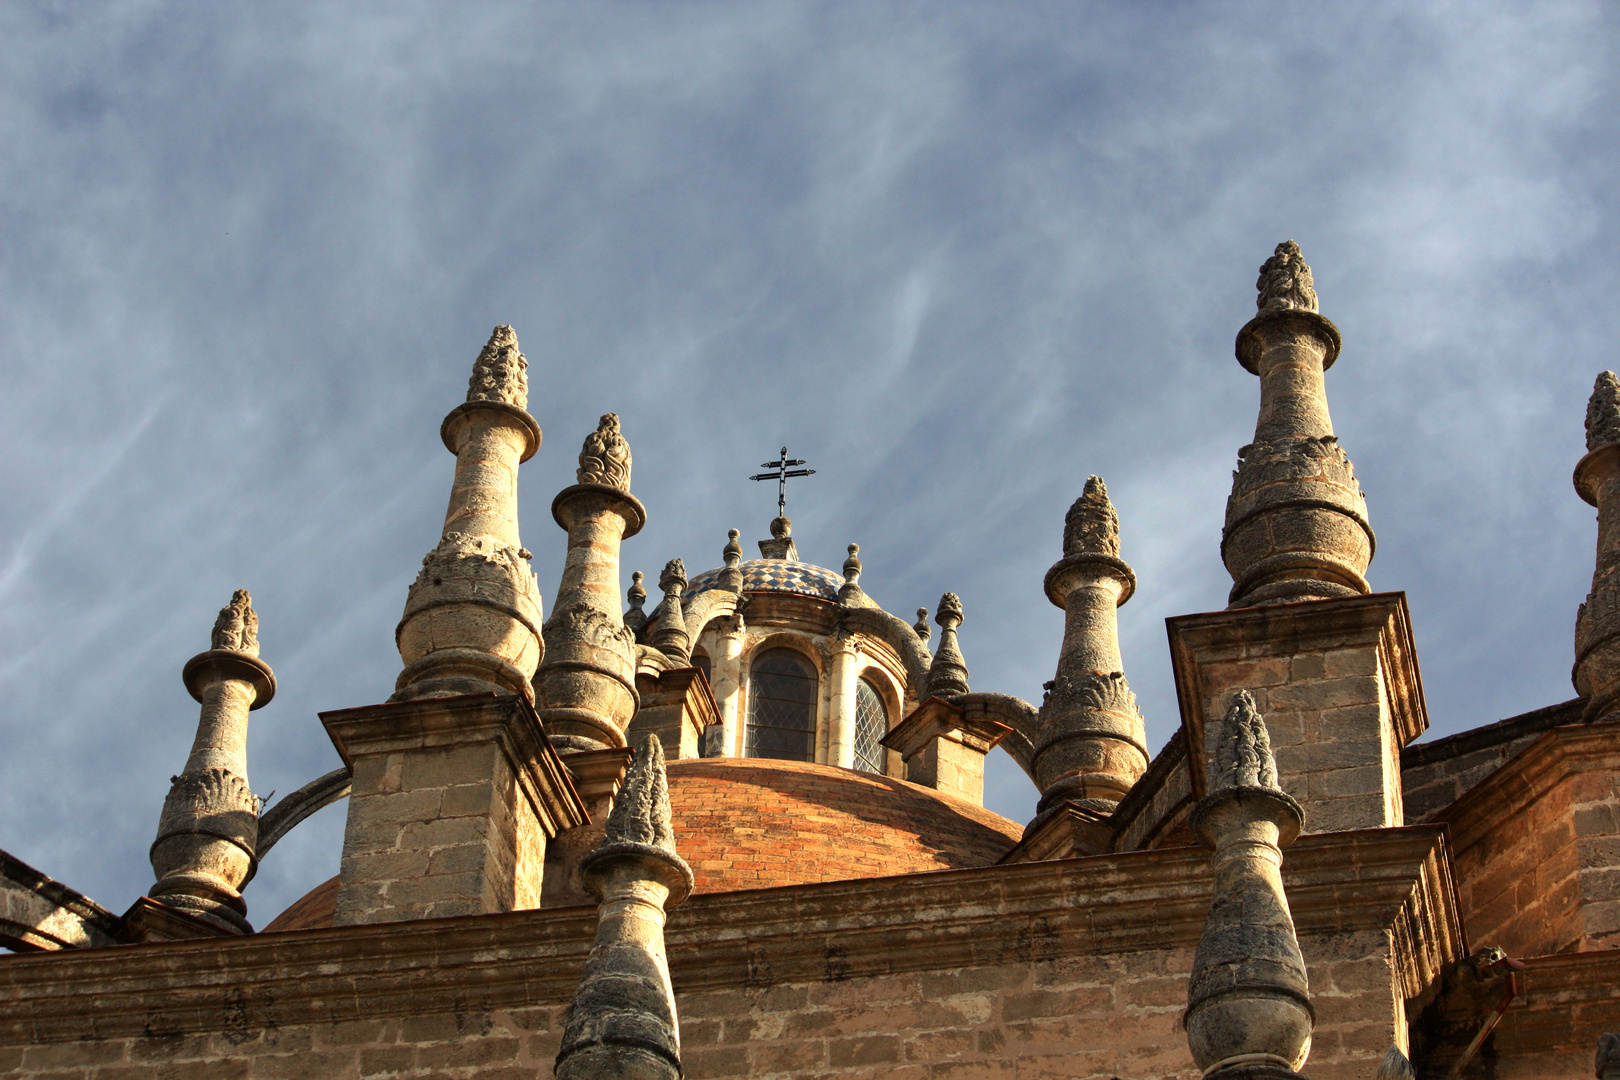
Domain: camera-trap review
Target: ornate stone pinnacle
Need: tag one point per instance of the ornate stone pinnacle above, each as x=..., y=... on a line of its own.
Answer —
x=1395, y=1066
x=673, y=579
x=1603, y=412
x=730, y=577
x=1285, y=281
x=641, y=813
x=669, y=636
x=1607, y=1065
x=501, y=372
x=237, y=628
x=1092, y=526
x=1243, y=756
x=732, y=552
x=924, y=631
x=948, y=675
x=636, y=618
x=605, y=457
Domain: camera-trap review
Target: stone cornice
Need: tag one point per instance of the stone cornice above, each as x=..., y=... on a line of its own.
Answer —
x=1290, y=629
x=937, y=718
x=1396, y=880
x=505, y=719
x=1530, y=775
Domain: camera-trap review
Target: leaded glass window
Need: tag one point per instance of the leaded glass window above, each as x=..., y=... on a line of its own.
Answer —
x=781, y=707
x=871, y=724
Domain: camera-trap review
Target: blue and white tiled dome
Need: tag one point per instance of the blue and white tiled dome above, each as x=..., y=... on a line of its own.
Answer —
x=776, y=575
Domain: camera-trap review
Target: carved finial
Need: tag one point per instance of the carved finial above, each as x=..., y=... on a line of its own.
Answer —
x=605, y=457
x=1285, y=281
x=732, y=552
x=924, y=631
x=780, y=545
x=1607, y=1064
x=1092, y=526
x=852, y=565
x=641, y=813
x=636, y=618
x=237, y=627
x=781, y=528
x=948, y=674
x=1395, y=1066
x=501, y=372
x=1243, y=756
x=1603, y=412
x=673, y=579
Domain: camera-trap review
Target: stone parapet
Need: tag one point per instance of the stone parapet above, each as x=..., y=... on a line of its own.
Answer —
x=1338, y=683
x=453, y=801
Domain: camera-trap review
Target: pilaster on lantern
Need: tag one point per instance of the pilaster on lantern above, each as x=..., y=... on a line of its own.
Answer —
x=1597, y=625
x=1092, y=745
x=472, y=617
x=586, y=686
x=1296, y=521
x=209, y=829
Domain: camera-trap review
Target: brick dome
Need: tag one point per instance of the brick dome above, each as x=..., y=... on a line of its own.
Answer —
x=750, y=823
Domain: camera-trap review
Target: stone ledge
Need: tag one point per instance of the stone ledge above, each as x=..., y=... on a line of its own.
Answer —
x=1388, y=879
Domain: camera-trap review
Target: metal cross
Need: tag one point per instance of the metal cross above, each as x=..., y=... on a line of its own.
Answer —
x=780, y=471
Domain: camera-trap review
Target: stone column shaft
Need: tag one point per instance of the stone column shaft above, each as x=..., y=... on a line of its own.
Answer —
x=725, y=666
x=221, y=741
x=1293, y=392
x=841, y=706
x=483, y=496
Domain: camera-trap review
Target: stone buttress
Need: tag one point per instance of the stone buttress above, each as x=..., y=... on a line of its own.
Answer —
x=455, y=786
x=209, y=830
x=1296, y=522
x=1091, y=745
x=1249, y=1013
x=586, y=686
x=622, y=1023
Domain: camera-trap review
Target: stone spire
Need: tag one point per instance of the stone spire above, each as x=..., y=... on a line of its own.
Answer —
x=635, y=620
x=1607, y=1064
x=669, y=635
x=622, y=1023
x=1091, y=744
x=585, y=687
x=731, y=577
x=472, y=617
x=1248, y=1003
x=924, y=631
x=850, y=591
x=1597, y=625
x=210, y=822
x=1296, y=521
x=948, y=675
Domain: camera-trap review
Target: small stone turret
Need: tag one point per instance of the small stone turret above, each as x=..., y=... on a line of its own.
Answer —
x=622, y=1023
x=850, y=591
x=1092, y=744
x=472, y=617
x=1597, y=625
x=1296, y=522
x=635, y=620
x=1249, y=1011
x=948, y=675
x=669, y=636
x=585, y=688
x=209, y=829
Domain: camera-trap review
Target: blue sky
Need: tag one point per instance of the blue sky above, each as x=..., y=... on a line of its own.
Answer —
x=958, y=255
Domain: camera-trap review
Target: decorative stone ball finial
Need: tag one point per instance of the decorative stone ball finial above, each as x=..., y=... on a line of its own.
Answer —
x=1285, y=281
x=781, y=528
x=948, y=674
x=1092, y=526
x=732, y=552
x=237, y=628
x=501, y=372
x=605, y=457
x=924, y=631
x=673, y=579
x=636, y=618
x=949, y=612
x=1603, y=412
x=1608, y=1056
x=852, y=565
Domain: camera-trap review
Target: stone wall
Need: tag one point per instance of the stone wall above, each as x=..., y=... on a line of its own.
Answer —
x=1436, y=774
x=1072, y=968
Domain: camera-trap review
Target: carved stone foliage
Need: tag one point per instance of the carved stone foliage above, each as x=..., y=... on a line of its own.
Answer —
x=1603, y=412
x=1285, y=281
x=501, y=372
x=674, y=576
x=581, y=623
x=1091, y=692
x=462, y=556
x=1092, y=525
x=641, y=812
x=1243, y=755
x=605, y=457
x=1303, y=458
x=203, y=792
x=237, y=627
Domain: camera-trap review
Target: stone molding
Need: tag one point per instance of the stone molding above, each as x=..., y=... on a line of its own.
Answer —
x=429, y=723
x=453, y=430
x=1290, y=629
x=939, y=920
x=40, y=913
x=937, y=718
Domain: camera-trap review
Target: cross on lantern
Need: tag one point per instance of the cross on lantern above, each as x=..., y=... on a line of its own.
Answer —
x=780, y=471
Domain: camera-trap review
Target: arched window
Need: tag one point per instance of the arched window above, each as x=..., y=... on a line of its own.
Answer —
x=781, y=707
x=871, y=724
